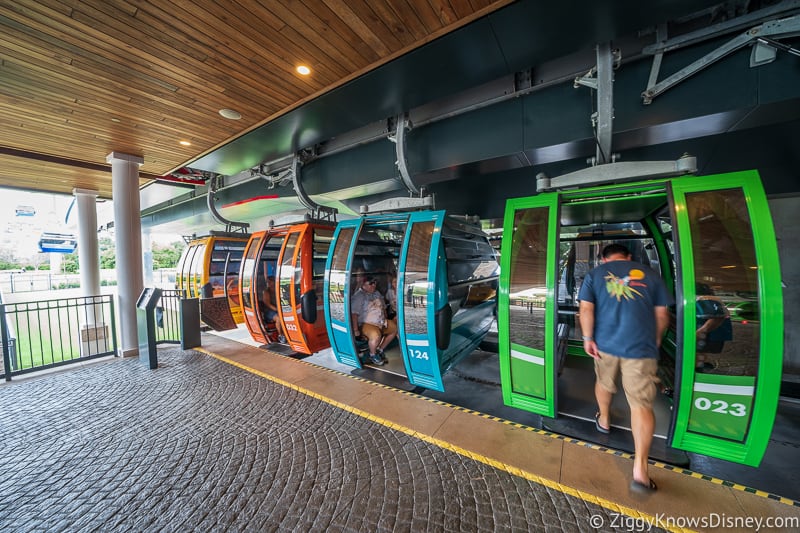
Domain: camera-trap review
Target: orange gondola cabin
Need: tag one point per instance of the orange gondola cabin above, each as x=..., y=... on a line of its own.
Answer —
x=294, y=256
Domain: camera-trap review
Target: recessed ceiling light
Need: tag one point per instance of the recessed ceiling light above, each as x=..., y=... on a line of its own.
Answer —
x=230, y=114
x=185, y=143
x=303, y=70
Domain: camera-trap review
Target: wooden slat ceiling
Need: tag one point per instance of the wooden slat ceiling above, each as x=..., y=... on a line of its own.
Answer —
x=80, y=79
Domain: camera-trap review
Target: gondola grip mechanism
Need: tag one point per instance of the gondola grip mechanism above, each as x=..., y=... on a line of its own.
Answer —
x=398, y=204
x=618, y=172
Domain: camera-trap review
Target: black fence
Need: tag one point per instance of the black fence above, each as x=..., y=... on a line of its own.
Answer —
x=168, y=317
x=50, y=333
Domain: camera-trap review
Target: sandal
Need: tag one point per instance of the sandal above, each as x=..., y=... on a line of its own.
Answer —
x=641, y=488
x=601, y=429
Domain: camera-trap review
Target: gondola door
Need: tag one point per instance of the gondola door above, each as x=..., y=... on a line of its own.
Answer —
x=424, y=321
x=260, y=263
x=289, y=275
x=249, y=286
x=726, y=401
x=338, y=291
x=527, y=306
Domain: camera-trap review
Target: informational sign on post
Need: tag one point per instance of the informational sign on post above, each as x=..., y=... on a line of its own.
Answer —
x=146, y=325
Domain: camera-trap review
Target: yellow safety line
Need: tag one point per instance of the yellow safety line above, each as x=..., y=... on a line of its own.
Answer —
x=507, y=468
x=593, y=446
x=447, y=446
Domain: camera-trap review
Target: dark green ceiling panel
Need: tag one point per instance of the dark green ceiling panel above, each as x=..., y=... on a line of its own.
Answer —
x=556, y=115
x=780, y=79
x=354, y=168
x=730, y=116
x=481, y=134
x=533, y=32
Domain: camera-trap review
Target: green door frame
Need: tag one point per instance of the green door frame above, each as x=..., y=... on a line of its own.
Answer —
x=708, y=405
x=712, y=411
x=527, y=372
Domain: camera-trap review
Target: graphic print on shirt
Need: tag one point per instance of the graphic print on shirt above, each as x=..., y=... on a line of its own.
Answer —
x=376, y=313
x=623, y=287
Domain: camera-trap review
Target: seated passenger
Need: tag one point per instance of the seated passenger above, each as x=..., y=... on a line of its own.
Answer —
x=368, y=309
x=270, y=302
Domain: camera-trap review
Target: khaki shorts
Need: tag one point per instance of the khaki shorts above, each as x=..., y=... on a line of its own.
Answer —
x=373, y=332
x=638, y=377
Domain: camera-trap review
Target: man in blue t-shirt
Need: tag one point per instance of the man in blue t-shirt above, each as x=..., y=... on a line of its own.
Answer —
x=623, y=315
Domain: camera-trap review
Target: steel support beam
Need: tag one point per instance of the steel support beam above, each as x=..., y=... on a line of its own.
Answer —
x=788, y=27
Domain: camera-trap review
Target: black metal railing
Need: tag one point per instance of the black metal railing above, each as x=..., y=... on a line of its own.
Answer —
x=168, y=317
x=50, y=333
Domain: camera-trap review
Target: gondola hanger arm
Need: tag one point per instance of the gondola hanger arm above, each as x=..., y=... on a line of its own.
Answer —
x=230, y=226
x=317, y=211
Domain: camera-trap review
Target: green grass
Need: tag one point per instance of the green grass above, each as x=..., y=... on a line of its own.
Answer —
x=48, y=333
x=171, y=329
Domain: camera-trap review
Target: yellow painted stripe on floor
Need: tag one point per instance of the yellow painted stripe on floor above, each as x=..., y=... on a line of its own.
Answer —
x=602, y=502
x=729, y=484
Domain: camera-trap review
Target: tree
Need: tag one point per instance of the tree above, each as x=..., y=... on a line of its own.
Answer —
x=166, y=256
x=108, y=253
x=69, y=263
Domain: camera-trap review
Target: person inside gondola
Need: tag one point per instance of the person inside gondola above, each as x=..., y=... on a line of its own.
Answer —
x=713, y=326
x=368, y=308
x=270, y=301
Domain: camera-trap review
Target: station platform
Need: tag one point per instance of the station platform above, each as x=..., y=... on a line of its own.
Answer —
x=236, y=438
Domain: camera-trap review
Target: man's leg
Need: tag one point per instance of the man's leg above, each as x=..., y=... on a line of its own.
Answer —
x=373, y=335
x=604, y=398
x=639, y=381
x=643, y=423
x=606, y=369
x=389, y=333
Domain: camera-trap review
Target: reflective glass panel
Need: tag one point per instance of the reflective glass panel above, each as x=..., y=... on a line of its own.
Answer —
x=287, y=274
x=338, y=276
x=248, y=267
x=416, y=278
x=527, y=281
x=196, y=269
x=321, y=244
x=726, y=282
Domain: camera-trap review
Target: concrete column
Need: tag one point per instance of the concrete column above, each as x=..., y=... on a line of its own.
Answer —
x=55, y=263
x=147, y=257
x=128, y=232
x=93, y=329
x=88, y=251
